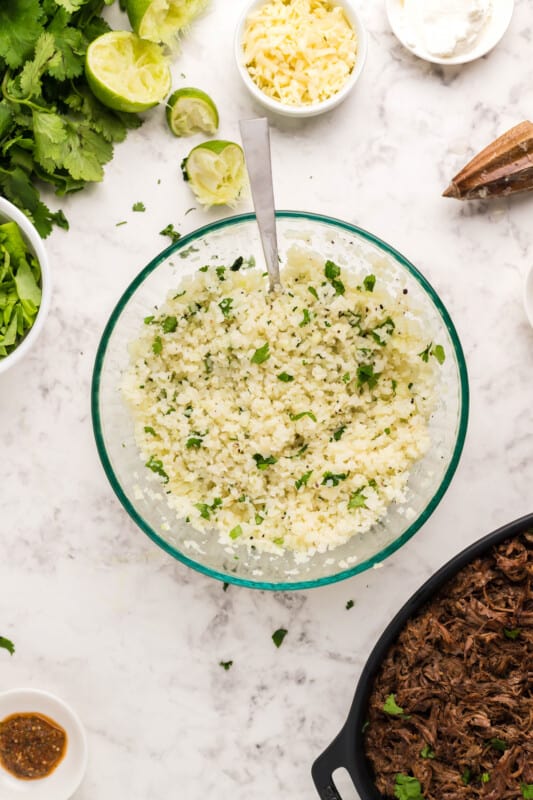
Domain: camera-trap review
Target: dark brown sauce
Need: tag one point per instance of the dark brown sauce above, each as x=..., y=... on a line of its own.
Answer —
x=31, y=745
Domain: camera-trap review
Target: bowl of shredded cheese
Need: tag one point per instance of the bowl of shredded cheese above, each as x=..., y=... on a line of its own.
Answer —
x=300, y=58
x=285, y=439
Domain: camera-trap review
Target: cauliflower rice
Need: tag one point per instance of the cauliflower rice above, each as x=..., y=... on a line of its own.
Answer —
x=285, y=420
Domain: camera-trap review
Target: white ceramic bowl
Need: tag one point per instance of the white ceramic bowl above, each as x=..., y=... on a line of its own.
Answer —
x=493, y=32
x=9, y=212
x=311, y=110
x=67, y=776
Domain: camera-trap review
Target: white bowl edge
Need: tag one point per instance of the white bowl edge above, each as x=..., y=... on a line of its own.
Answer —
x=10, y=212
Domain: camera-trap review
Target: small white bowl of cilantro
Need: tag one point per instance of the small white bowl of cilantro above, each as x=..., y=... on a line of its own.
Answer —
x=25, y=285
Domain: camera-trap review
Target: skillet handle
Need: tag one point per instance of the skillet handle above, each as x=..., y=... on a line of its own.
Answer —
x=322, y=770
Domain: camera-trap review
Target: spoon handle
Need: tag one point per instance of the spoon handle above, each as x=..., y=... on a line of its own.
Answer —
x=256, y=142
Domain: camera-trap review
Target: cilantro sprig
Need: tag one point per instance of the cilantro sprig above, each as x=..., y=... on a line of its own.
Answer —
x=52, y=128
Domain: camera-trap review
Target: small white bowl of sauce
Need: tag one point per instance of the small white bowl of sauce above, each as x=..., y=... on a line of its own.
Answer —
x=43, y=747
x=449, y=31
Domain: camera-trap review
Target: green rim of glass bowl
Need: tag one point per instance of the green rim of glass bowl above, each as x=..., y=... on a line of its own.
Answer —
x=228, y=578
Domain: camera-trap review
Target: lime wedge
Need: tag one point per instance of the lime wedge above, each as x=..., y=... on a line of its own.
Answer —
x=127, y=73
x=216, y=172
x=162, y=20
x=191, y=111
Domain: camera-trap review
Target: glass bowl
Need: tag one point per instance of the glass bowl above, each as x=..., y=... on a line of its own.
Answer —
x=220, y=243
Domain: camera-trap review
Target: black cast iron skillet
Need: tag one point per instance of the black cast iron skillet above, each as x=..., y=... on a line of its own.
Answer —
x=347, y=750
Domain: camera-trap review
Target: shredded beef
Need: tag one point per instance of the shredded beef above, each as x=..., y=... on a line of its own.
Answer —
x=462, y=671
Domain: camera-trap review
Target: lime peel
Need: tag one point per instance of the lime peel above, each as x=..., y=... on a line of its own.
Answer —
x=190, y=111
x=127, y=73
x=216, y=172
x=163, y=20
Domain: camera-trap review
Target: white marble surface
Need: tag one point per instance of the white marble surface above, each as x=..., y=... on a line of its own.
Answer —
x=102, y=617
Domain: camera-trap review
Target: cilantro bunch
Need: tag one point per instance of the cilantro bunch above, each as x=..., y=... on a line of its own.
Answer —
x=52, y=128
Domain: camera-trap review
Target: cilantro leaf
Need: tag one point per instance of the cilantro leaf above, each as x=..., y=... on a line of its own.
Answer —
x=301, y=415
x=407, y=788
x=512, y=633
x=306, y=318
x=331, y=479
x=285, y=377
x=20, y=27
x=337, y=435
x=465, y=777
x=427, y=752
x=303, y=480
x=225, y=664
x=169, y=324
x=156, y=465
x=369, y=283
x=350, y=604
x=366, y=374
x=263, y=463
x=171, y=232
x=357, y=500
x=7, y=644
x=439, y=354
x=193, y=443
x=498, y=744
x=332, y=273
x=390, y=706
x=527, y=790
x=235, y=532
x=139, y=206
x=261, y=355
x=278, y=636
x=225, y=306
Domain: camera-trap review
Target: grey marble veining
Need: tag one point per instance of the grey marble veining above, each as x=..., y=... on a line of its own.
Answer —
x=101, y=616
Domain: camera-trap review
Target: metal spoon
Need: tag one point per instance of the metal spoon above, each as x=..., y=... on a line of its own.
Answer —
x=256, y=142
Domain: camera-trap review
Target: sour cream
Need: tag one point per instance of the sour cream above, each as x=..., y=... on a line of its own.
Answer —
x=445, y=28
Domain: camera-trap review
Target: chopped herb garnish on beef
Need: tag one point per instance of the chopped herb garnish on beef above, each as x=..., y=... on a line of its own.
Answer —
x=498, y=744
x=427, y=752
x=390, y=706
x=407, y=788
x=527, y=791
x=511, y=633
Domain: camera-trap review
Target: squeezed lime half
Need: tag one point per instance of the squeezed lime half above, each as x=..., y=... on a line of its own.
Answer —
x=127, y=73
x=191, y=111
x=216, y=172
x=162, y=20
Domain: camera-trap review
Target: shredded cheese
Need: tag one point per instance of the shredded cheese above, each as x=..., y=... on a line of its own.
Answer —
x=299, y=52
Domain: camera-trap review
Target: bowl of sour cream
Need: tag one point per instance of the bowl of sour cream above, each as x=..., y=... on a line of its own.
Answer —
x=449, y=31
